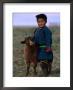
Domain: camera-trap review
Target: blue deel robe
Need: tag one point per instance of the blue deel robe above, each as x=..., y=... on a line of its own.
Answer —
x=43, y=36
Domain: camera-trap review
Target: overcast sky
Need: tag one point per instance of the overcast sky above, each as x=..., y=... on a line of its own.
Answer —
x=29, y=19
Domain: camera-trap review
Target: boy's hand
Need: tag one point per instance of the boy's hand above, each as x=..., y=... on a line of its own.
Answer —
x=31, y=43
x=48, y=49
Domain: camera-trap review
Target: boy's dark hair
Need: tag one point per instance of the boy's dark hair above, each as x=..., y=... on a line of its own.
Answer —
x=43, y=16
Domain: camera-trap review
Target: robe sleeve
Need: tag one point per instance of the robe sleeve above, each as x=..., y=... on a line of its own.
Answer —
x=48, y=38
x=34, y=39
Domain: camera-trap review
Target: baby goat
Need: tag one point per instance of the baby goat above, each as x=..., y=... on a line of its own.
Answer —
x=30, y=54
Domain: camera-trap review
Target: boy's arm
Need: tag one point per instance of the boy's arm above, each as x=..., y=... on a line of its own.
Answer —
x=48, y=37
x=34, y=38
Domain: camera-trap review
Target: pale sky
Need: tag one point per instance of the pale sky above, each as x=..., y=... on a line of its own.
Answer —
x=29, y=19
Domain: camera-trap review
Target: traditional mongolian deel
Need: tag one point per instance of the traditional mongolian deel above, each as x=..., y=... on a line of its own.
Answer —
x=43, y=39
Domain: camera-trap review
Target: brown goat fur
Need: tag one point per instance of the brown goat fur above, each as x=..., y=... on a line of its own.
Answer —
x=29, y=54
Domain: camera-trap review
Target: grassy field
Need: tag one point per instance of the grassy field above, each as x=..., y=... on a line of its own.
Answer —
x=19, y=66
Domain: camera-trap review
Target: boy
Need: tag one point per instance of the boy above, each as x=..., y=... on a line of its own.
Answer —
x=43, y=39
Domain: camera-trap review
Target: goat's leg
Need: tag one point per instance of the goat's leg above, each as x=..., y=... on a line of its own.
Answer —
x=35, y=72
x=28, y=67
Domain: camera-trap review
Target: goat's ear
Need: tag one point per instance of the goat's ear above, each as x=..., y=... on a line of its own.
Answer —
x=23, y=42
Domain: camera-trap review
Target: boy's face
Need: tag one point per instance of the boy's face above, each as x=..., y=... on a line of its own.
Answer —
x=41, y=22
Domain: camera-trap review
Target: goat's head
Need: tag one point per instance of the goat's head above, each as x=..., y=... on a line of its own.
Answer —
x=27, y=41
